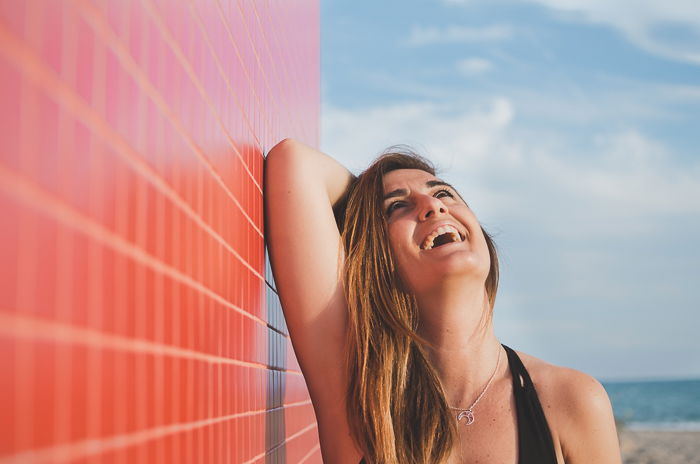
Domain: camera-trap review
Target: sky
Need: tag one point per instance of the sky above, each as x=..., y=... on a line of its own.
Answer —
x=572, y=128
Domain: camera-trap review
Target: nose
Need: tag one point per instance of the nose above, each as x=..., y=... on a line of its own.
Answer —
x=431, y=207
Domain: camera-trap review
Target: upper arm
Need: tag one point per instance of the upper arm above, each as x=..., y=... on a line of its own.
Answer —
x=301, y=186
x=586, y=424
x=306, y=253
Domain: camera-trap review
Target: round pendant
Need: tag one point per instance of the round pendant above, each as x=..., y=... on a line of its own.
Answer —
x=466, y=414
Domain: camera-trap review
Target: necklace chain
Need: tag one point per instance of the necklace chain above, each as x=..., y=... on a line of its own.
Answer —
x=468, y=413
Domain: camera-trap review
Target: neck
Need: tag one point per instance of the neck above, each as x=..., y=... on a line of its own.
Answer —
x=460, y=341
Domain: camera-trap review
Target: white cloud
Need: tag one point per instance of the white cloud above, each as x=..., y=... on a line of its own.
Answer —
x=452, y=136
x=623, y=179
x=641, y=22
x=629, y=177
x=474, y=66
x=645, y=23
x=426, y=35
x=681, y=93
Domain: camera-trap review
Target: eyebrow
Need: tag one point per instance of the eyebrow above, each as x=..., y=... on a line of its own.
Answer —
x=404, y=192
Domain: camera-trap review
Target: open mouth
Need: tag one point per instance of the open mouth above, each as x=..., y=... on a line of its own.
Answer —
x=444, y=239
x=442, y=236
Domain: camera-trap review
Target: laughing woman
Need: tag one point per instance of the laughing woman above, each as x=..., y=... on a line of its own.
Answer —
x=388, y=284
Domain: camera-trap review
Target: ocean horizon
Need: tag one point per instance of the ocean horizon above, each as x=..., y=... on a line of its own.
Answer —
x=672, y=405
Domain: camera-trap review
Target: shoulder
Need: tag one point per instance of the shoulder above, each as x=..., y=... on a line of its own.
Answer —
x=578, y=410
x=575, y=391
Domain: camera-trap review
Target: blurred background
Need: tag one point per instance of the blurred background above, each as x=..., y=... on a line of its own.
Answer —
x=571, y=128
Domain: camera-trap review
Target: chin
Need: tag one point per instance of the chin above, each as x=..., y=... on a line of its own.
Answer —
x=469, y=266
x=460, y=265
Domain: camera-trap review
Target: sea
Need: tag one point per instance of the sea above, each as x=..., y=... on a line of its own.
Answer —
x=657, y=404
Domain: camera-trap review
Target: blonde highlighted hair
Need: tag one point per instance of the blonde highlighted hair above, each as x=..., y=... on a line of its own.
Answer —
x=396, y=405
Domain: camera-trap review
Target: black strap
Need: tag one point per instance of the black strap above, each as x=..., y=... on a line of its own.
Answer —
x=535, y=444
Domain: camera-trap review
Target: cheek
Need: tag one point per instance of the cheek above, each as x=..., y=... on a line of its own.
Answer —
x=394, y=241
x=400, y=244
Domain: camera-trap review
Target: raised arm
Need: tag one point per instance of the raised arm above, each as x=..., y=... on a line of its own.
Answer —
x=301, y=187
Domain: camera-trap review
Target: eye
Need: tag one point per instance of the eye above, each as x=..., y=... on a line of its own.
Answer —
x=443, y=193
x=393, y=206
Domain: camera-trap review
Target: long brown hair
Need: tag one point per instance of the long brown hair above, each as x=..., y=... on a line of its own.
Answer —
x=396, y=405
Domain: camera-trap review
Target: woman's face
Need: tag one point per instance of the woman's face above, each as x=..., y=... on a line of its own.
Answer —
x=432, y=232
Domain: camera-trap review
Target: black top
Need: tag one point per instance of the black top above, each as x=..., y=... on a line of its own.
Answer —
x=535, y=445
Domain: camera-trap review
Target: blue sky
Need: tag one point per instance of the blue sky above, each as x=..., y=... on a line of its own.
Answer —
x=572, y=129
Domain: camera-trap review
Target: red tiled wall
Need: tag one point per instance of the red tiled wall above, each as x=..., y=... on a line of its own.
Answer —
x=138, y=321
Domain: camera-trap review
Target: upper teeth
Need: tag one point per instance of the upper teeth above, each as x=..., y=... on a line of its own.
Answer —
x=446, y=229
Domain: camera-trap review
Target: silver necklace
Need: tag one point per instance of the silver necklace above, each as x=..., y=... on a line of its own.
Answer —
x=468, y=413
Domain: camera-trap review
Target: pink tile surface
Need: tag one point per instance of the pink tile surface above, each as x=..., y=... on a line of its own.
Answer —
x=138, y=320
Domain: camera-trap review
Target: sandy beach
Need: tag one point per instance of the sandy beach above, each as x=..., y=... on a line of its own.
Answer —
x=660, y=447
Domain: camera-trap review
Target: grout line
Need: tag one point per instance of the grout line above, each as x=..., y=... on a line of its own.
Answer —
x=69, y=217
x=287, y=440
x=266, y=43
x=275, y=329
x=262, y=69
x=27, y=327
x=103, y=30
x=81, y=449
x=313, y=451
x=222, y=16
x=170, y=40
x=34, y=69
x=198, y=19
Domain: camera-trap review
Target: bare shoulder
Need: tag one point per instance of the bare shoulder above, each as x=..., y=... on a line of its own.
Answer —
x=569, y=388
x=578, y=410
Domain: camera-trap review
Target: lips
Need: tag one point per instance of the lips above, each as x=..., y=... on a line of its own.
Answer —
x=442, y=235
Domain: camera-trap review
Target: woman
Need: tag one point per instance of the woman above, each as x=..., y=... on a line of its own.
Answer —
x=388, y=284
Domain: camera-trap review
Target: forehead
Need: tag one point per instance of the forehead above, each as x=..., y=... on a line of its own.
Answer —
x=401, y=178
